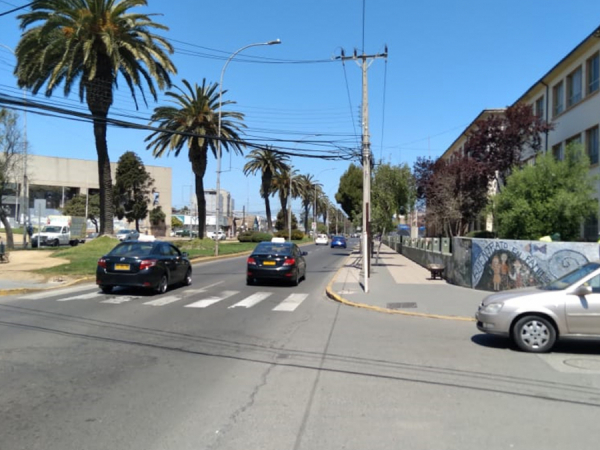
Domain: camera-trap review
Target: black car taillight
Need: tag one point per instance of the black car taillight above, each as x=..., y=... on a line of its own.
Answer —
x=147, y=263
x=289, y=262
x=251, y=261
x=102, y=263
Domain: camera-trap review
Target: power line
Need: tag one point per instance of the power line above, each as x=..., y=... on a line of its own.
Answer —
x=16, y=9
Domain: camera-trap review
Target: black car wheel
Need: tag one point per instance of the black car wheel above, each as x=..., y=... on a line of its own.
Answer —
x=534, y=334
x=106, y=289
x=187, y=281
x=249, y=281
x=296, y=279
x=163, y=284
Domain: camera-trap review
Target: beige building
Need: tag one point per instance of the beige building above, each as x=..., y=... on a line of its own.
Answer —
x=53, y=181
x=568, y=96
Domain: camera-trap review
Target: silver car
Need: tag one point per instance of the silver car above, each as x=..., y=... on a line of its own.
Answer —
x=534, y=318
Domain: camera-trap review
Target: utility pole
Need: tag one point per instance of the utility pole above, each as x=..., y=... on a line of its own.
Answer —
x=364, y=61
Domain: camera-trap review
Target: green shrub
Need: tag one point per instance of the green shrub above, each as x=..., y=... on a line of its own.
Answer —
x=259, y=237
x=254, y=236
x=245, y=236
x=297, y=235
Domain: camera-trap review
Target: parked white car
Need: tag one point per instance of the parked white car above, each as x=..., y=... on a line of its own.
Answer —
x=218, y=235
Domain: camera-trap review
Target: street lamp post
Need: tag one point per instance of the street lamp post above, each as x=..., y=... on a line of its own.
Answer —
x=218, y=212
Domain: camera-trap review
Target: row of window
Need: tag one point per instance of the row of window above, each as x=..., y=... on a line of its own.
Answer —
x=566, y=93
x=592, y=145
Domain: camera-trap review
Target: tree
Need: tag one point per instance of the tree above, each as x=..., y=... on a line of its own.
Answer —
x=281, y=221
x=306, y=189
x=193, y=123
x=269, y=163
x=499, y=141
x=392, y=190
x=281, y=185
x=91, y=42
x=12, y=156
x=350, y=192
x=77, y=206
x=132, y=189
x=549, y=197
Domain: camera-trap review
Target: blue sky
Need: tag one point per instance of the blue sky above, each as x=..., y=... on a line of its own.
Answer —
x=448, y=60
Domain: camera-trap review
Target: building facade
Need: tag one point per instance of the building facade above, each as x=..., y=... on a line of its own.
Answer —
x=568, y=97
x=54, y=181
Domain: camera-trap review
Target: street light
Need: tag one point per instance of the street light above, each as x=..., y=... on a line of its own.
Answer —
x=218, y=213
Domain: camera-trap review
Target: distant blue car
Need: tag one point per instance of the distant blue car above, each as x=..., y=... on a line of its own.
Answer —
x=338, y=241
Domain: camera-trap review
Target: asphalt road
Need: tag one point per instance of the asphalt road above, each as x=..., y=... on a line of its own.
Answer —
x=212, y=367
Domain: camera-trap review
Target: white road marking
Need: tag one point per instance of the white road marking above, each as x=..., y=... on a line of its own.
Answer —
x=80, y=297
x=291, y=303
x=163, y=300
x=52, y=293
x=252, y=300
x=120, y=299
x=211, y=300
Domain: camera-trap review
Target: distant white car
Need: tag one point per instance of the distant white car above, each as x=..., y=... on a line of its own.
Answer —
x=322, y=239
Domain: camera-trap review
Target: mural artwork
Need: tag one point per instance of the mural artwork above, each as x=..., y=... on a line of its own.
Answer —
x=498, y=265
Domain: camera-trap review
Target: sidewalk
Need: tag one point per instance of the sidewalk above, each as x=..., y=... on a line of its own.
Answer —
x=398, y=285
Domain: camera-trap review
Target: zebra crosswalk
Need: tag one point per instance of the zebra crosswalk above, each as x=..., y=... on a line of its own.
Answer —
x=195, y=298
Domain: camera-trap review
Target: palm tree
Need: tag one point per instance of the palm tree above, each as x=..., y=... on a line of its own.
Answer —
x=194, y=123
x=281, y=185
x=89, y=43
x=269, y=163
x=306, y=189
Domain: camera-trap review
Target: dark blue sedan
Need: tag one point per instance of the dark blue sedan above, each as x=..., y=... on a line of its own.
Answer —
x=338, y=241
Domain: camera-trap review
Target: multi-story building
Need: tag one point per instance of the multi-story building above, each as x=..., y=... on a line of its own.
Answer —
x=52, y=181
x=568, y=96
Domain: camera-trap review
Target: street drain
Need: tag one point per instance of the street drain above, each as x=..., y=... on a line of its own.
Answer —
x=401, y=305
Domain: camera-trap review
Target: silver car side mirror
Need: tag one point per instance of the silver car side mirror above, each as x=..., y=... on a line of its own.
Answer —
x=582, y=290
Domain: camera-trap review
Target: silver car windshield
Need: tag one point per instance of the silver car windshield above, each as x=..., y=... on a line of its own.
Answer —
x=571, y=278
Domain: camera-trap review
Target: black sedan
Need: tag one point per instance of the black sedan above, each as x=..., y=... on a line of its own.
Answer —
x=276, y=261
x=154, y=265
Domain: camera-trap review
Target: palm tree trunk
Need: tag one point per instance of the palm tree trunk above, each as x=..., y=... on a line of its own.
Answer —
x=197, y=156
x=283, y=200
x=306, y=207
x=99, y=98
x=266, y=191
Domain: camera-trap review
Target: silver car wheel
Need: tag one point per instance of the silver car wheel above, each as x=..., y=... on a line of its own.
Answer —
x=534, y=334
x=163, y=284
x=188, y=278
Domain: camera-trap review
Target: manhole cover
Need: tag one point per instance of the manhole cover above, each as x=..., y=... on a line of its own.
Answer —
x=587, y=364
x=401, y=305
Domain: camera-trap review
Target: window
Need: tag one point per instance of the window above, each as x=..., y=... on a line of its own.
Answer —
x=574, y=81
x=539, y=107
x=557, y=152
x=558, y=100
x=593, y=73
x=591, y=144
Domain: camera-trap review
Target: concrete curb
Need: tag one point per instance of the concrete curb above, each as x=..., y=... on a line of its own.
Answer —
x=332, y=295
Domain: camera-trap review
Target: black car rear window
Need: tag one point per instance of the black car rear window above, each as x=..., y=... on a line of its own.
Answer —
x=133, y=249
x=268, y=248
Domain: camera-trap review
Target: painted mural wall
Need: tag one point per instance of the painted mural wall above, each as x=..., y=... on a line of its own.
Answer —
x=498, y=265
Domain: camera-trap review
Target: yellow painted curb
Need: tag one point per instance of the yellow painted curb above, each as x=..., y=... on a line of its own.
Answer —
x=332, y=295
